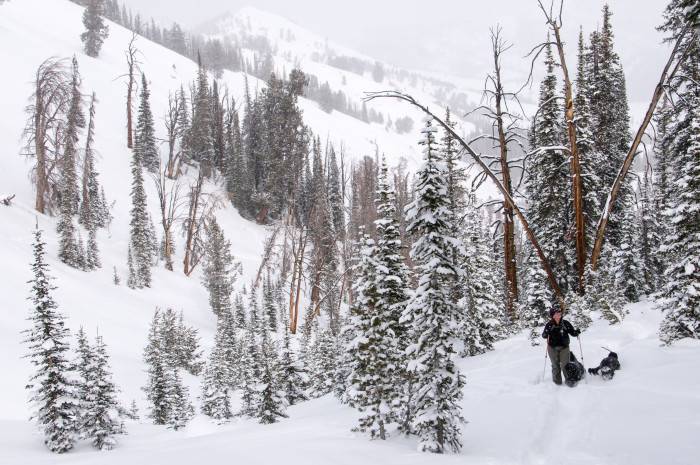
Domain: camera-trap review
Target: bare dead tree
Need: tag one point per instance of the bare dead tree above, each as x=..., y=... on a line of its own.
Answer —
x=43, y=132
x=505, y=131
x=174, y=129
x=170, y=202
x=555, y=24
x=489, y=173
x=132, y=64
x=267, y=253
x=201, y=207
x=298, y=248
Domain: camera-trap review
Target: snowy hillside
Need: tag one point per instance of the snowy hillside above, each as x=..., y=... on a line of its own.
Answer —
x=647, y=415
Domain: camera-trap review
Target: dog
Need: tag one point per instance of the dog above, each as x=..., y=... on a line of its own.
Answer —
x=573, y=371
x=607, y=366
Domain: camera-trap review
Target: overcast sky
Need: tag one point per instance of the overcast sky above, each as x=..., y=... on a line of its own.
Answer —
x=448, y=35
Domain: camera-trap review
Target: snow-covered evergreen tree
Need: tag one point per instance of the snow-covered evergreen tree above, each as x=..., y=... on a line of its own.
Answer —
x=68, y=251
x=269, y=305
x=92, y=210
x=219, y=269
x=100, y=414
x=220, y=371
x=51, y=387
x=145, y=148
x=96, y=30
x=323, y=359
x=682, y=292
x=292, y=376
x=431, y=317
x=479, y=325
x=139, y=241
x=549, y=199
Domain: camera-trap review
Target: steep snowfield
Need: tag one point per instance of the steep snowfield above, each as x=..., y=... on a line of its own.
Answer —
x=647, y=415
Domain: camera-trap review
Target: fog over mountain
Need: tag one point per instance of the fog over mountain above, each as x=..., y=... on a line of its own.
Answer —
x=451, y=37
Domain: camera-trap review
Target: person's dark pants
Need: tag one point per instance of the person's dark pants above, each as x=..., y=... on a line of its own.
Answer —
x=559, y=357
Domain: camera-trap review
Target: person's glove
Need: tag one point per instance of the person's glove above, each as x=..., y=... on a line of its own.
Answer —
x=576, y=332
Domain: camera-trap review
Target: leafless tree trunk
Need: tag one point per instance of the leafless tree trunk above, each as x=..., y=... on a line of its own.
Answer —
x=172, y=126
x=44, y=128
x=576, y=178
x=509, y=263
x=132, y=66
x=170, y=203
x=298, y=250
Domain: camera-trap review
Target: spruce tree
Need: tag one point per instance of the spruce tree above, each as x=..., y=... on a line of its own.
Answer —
x=157, y=389
x=219, y=268
x=100, y=417
x=69, y=252
x=52, y=391
x=549, y=199
x=96, y=30
x=324, y=354
x=200, y=138
x=92, y=209
x=145, y=148
x=221, y=370
x=431, y=317
x=682, y=290
x=140, y=241
x=292, y=376
x=479, y=325
x=373, y=350
x=335, y=197
x=269, y=305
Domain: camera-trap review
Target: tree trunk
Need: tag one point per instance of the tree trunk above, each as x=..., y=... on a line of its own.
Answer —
x=509, y=264
x=576, y=179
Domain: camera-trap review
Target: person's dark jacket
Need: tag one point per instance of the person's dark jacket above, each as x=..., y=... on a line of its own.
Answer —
x=557, y=335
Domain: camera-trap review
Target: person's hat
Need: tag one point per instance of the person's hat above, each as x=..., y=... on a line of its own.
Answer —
x=554, y=310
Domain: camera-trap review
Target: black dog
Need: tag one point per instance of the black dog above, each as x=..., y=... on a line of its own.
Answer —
x=573, y=371
x=607, y=366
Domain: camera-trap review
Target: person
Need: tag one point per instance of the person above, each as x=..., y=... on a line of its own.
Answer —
x=557, y=331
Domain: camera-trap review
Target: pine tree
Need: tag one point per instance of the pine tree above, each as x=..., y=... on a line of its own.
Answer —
x=479, y=326
x=219, y=268
x=91, y=207
x=335, y=197
x=100, y=418
x=220, y=371
x=157, y=389
x=140, y=241
x=292, y=376
x=145, y=148
x=431, y=317
x=683, y=274
x=270, y=403
x=96, y=30
x=269, y=305
x=373, y=350
x=610, y=125
x=201, y=138
x=251, y=372
x=239, y=312
x=323, y=361
x=68, y=247
x=51, y=387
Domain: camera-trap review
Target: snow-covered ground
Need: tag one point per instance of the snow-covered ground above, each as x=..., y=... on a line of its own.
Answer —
x=649, y=414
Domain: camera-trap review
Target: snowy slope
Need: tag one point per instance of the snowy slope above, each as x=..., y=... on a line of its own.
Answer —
x=647, y=415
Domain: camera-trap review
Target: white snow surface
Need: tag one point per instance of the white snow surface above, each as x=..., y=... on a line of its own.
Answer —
x=648, y=414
